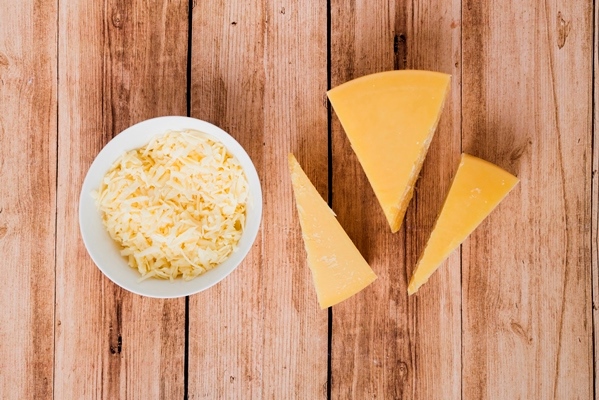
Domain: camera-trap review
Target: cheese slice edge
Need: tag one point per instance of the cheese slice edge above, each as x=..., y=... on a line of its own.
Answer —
x=338, y=269
x=390, y=119
x=477, y=189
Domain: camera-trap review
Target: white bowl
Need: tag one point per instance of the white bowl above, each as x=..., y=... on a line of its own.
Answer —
x=106, y=253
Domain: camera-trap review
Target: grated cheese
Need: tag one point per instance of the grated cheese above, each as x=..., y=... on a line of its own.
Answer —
x=176, y=206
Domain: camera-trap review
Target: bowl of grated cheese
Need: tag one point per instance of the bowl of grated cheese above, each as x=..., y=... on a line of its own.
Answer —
x=170, y=207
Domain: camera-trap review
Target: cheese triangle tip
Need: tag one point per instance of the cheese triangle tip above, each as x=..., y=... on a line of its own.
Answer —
x=338, y=269
x=478, y=187
x=390, y=118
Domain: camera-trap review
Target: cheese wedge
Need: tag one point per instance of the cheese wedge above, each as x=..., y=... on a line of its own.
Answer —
x=390, y=119
x=338, y=269
x=477, y=188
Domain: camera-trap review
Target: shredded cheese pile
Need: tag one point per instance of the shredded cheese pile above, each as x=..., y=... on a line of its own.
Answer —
x=177, y=206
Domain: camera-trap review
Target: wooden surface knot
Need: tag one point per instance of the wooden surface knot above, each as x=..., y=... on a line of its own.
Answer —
x=116, y=349
x=563, y=30
x=117, y=20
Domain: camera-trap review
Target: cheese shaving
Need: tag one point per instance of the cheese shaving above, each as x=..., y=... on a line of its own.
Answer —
x=177, y=206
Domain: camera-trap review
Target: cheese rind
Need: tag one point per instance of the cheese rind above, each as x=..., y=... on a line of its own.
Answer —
x=338, y=269
x=477, y=188
x=390, y=119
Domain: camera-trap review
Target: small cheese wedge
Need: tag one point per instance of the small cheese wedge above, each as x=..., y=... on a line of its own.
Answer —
x=390, y=118
x=477, y=188
x=338, y=269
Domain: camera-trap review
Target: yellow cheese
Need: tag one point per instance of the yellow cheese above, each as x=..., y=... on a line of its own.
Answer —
x=477, y=188
x=390, y=119
x=338, y=269
x=176, y=206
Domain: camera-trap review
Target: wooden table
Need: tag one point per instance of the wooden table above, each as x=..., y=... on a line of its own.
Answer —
x=510, y=316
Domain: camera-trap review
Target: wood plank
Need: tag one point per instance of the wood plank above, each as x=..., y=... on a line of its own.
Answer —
x=384, y=345
x=595, y=203
x=119, y=63
x=259, y=72
x=526, y=270
x=27, y=197
x=434, y=43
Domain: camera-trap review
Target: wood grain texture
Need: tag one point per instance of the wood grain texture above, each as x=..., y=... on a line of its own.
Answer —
x=433, y=42
x=27, y=197
x=384, y=345
x=371, y=354
x=119, y=63
x=595, y=202
x=259, y=72
x=526, y=270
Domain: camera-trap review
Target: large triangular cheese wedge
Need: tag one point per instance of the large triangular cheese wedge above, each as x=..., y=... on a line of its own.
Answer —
x=390, y=119
x=338, y=269
x=477, y=188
